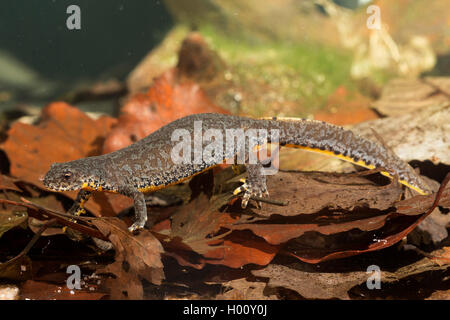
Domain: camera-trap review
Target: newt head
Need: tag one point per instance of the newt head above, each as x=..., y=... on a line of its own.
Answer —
x=67, y=176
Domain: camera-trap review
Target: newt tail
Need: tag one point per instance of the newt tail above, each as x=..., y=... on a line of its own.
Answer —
x=150, y=164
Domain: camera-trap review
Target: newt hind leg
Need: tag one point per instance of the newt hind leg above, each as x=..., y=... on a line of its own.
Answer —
x=254, y=185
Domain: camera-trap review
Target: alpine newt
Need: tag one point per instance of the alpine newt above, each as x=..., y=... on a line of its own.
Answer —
x=147, y=165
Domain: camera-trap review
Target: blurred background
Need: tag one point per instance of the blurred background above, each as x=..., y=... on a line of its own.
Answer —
x=82, y=78
x=287, y=57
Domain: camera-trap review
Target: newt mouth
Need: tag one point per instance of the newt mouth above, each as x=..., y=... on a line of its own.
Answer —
x=52, y=187
x=57, y=188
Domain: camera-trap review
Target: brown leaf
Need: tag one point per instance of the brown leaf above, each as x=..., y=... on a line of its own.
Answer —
x=8, y=183
x=281, y=233
x=196, y=237
x=137, y=256
x=197, y=222
x=420, y=135
x=166, y=101
x=16, y=269
x=401, y=96
x=440, y=295
x=241, y=289
x=310, y=192
x=394, y=230
x=10, y=219
x=311, y=285
x=241, y=248
x=442, y=257
x=65, y=133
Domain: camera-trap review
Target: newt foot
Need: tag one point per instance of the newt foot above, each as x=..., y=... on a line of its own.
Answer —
x=138, y=225
x=251, y=189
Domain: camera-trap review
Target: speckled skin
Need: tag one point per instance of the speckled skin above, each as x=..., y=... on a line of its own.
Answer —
x=147, y=164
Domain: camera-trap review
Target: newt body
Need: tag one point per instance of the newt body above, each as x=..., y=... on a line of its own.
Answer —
x=147, y=165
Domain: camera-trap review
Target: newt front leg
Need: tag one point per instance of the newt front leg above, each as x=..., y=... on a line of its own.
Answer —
x=140, y=208
x=77, y=208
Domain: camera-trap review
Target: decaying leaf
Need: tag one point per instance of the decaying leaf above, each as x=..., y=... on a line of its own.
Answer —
x=421, y=135
x=310, y=192
x=8, y=183
x=166, y=101
x=442, y=257
x=64, y=133
x=11, y=219
x=432, y=230
x=137, y=257
x=316, y=284
x=16, y=269
x=197, y=222
x=401, y=96
x=241, y=289
x=314, y=247
x=311, y=285
x=440, y=295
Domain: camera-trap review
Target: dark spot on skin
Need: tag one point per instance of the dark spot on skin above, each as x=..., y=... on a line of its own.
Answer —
x=125, y=266
x=133, y=138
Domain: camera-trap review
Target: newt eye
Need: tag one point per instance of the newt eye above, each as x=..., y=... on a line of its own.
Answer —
x=67, y=175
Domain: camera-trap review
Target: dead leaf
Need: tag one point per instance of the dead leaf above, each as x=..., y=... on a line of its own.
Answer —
x=432, y=230
x=241, y=248
x=137, y=256
x=16, y=269
x=166, y=101
x=421, y=135
x=8, y=183
x=10, y=219
x=310, y=192
x=442, y=257
x=312, y=285
x=241, y=289
x=402, y=96
x=315, y=284
x=281, y=233
x=197, y=223
x=64, y=133
x=440, y=295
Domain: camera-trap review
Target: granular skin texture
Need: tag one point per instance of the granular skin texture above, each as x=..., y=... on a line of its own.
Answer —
x=148, y=164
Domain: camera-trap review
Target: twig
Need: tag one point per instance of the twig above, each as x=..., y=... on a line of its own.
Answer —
x=270, y=201
x=62, y=218
x=35, y=238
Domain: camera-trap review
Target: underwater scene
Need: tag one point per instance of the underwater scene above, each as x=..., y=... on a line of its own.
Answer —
x=225, y=150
